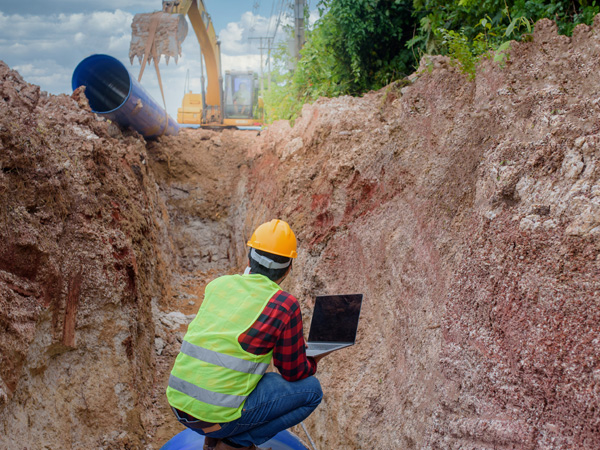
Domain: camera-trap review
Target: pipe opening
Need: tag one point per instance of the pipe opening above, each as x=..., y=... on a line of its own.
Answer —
x=107, y=82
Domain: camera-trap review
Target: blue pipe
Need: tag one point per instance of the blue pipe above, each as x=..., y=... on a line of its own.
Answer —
x=190, y=440
x=113, y=93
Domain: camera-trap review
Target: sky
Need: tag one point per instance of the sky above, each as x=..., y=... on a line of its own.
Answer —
x=45, y=40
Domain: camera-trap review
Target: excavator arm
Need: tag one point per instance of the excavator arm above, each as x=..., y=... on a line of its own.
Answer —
x=222, y=103
x=210, y=46
x=162, y=33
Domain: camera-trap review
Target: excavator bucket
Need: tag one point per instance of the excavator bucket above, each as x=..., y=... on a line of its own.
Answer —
x=165, y=31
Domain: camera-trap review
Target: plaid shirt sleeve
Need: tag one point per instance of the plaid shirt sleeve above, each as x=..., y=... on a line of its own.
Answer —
x=279, y=327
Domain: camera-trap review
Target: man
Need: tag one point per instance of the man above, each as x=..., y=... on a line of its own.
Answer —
x=241, y=99
x=218, y=386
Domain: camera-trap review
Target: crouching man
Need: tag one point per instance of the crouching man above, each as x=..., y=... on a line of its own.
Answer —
x=218, y=386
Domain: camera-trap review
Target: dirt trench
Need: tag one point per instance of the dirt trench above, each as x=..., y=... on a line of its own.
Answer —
x=467, y=212
x=197, y=176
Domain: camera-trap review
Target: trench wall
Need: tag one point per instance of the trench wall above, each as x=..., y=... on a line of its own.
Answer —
x=468, y=213
x=83, y=256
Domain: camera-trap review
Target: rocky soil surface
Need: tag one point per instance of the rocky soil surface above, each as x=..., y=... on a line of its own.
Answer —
x=82, y=261
x=467, y=212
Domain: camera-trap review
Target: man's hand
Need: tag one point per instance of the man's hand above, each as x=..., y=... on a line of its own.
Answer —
x=319, y=357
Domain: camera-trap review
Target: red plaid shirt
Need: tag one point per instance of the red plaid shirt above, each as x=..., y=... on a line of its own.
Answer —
x=279, y=327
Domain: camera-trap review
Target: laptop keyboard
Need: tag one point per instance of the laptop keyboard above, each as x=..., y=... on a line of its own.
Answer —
x=322, y=346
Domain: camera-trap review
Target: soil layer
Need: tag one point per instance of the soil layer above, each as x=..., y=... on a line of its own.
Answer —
x=467, y=212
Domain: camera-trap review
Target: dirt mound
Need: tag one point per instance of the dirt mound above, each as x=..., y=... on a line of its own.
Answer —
x=80, y=265
x=107, y=243
x=467, y=212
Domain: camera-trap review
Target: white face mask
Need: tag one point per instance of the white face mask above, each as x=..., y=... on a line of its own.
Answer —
x=247, y=271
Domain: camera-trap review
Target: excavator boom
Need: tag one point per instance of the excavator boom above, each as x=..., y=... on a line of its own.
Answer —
x=211, y=50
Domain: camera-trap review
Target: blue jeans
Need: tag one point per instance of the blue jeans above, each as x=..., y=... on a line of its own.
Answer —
x=274, y=405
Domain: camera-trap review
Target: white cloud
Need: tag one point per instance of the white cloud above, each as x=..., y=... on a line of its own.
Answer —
x=118, y=43
x=46, y=48
x=79, y=37
x=244, y=36
x=313, y=17
x=63, y=34
x=241, y=62
x=46, y=73
x=28, y=69
x=55, y=44
x=231, y=38
x=19, y=27
x=45, y=8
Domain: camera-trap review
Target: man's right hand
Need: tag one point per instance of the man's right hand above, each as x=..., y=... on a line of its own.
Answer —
x=319, y=357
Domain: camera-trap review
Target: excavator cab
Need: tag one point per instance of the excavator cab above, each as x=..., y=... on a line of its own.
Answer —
x=242, y=105
x=239, y=95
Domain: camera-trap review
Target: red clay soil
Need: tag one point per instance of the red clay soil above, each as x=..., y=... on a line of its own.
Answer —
x=79, y=267
x=467, y=212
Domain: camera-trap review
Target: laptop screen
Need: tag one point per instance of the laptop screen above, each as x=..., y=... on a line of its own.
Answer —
x=335, y=318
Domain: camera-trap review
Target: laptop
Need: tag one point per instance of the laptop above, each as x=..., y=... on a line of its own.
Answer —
x=334, y=323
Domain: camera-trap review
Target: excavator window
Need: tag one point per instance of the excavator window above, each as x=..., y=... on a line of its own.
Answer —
x=238, y=96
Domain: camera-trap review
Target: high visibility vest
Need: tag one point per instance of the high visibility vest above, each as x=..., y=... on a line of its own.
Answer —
x=213, y=375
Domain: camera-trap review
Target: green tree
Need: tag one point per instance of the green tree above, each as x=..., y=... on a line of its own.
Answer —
x=361, y=45
x=354, y=47
x=494, y=21
x=366, y=41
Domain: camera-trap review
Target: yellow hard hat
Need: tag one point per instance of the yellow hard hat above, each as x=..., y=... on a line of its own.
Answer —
x=274, y=237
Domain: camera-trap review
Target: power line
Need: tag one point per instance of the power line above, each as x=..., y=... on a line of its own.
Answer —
x=255, y=9
x=270, y=18
x=278, y=18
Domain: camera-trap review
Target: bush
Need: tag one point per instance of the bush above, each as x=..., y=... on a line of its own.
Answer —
x=362, y=45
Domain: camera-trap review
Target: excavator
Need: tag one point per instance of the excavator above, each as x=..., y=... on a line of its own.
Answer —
x=224, y=103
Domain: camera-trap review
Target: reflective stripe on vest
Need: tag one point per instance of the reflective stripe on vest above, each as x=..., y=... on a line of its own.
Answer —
x=219, y=359
x=212, y=398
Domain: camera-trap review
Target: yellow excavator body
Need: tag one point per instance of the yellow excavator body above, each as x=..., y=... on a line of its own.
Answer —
x=191, y=113
x=191, y=109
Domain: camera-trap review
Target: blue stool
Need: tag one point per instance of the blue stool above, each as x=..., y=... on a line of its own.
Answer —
x=190, y=440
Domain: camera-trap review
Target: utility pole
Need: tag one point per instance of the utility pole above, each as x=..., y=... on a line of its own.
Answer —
x=299, y=26
x=261, y=62
x=262, y=84
x=269, y=41
x=268, y=49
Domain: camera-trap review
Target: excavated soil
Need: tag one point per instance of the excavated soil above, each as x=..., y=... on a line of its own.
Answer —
x=467, y=212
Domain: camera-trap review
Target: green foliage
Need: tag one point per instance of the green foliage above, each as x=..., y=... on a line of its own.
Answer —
x=362, y=45
x=355, y=46
x=567, y=14
x=315, y=76
x=463, y=52
x=492, y=21
x=367, y=41
x=467, y=52
x=280, y=100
